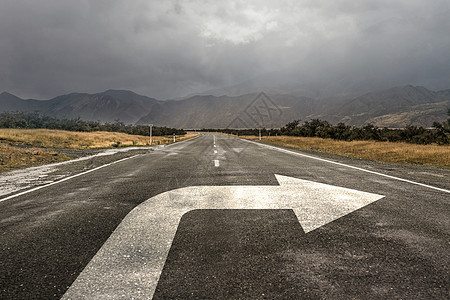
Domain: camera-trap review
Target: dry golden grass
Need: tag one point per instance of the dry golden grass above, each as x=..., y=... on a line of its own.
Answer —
x=26, y=147
x=12, y=157
x=432, y=155
x=81, y=140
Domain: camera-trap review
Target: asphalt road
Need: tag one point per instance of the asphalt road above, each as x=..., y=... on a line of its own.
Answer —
x=395, y=247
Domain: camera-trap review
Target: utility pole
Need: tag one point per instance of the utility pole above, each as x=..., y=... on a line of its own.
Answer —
x=174, y=137
x=259, y=133
x=150, y=125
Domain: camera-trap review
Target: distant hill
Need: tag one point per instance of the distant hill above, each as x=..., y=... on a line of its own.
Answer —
x=108, y=106
x=9, y=102
x=246, y=111
x=395, y=107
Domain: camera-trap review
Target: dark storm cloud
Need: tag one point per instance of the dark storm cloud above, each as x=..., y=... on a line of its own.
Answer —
x=171, y=48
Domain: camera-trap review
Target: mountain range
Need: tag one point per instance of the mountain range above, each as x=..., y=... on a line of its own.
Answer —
x=395, y=107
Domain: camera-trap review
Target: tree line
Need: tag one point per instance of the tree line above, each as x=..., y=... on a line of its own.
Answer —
x=39, y=121
x=439, y=134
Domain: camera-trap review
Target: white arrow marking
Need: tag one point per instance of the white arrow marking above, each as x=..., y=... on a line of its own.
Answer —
x=130, y=262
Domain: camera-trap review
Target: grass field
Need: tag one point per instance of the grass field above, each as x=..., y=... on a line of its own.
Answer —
x=12, y=157
x=80, y=140
x=432, y=155
x=28, y=147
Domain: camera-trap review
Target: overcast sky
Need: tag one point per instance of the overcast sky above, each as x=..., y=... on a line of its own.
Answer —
x=167, y=49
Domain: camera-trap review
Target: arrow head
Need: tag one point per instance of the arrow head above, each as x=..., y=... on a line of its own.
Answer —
x=317, y=204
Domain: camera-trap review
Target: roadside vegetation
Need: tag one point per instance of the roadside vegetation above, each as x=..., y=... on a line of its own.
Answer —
x=12, y=157
x=413, y=145
x=28, y=139
x=399, y=152
x=48, y=138
x=37, y=121
x=29, y=147
x=439, y=134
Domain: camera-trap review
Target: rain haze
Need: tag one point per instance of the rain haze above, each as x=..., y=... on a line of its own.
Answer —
x=170, y=49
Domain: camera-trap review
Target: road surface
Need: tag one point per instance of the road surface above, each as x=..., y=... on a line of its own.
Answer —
x=246, y=221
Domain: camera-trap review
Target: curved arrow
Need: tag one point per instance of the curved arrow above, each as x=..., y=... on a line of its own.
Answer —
x=130, y=262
